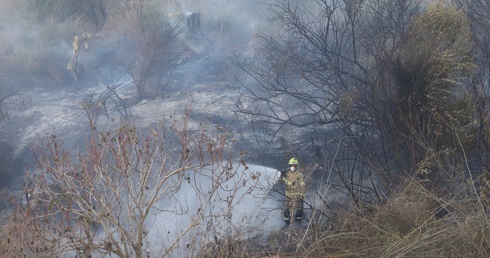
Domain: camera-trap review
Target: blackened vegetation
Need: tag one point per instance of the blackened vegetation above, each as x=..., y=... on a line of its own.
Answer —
x=10, y=167
x=372, y=108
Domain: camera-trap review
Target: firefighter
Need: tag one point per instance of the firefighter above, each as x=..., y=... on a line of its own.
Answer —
x=194, y=22
x=295, y=190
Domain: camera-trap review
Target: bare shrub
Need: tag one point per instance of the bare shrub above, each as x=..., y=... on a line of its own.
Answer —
x=315, y=76
x=389, y=81
x=151, y=45
x=96, y=105
x=102, y=200
x=10, y=99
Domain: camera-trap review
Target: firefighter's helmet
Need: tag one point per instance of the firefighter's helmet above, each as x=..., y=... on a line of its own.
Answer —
x=293, y=161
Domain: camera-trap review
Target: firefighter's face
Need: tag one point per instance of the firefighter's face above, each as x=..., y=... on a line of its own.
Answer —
x=293, y=168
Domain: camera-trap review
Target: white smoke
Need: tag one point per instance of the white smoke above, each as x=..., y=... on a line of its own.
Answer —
x=243, y=207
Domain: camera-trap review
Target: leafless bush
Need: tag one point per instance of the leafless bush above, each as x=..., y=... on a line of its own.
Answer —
x=101, y=200
x=387, y=80
x=152, y=43
x=109, y=100
x=10, y=99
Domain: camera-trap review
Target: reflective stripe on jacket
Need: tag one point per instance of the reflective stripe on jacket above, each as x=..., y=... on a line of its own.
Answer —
x=295, y=185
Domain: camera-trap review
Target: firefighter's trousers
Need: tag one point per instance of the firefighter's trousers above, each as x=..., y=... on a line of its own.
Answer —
x=294, y=210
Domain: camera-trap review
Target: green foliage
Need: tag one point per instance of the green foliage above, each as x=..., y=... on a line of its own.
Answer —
x=431, y=64
x=435, y=54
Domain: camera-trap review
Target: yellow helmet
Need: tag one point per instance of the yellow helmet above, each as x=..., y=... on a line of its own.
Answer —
x=293, y=161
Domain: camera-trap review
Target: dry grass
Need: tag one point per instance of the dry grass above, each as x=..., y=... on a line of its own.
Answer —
x=406, y=226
